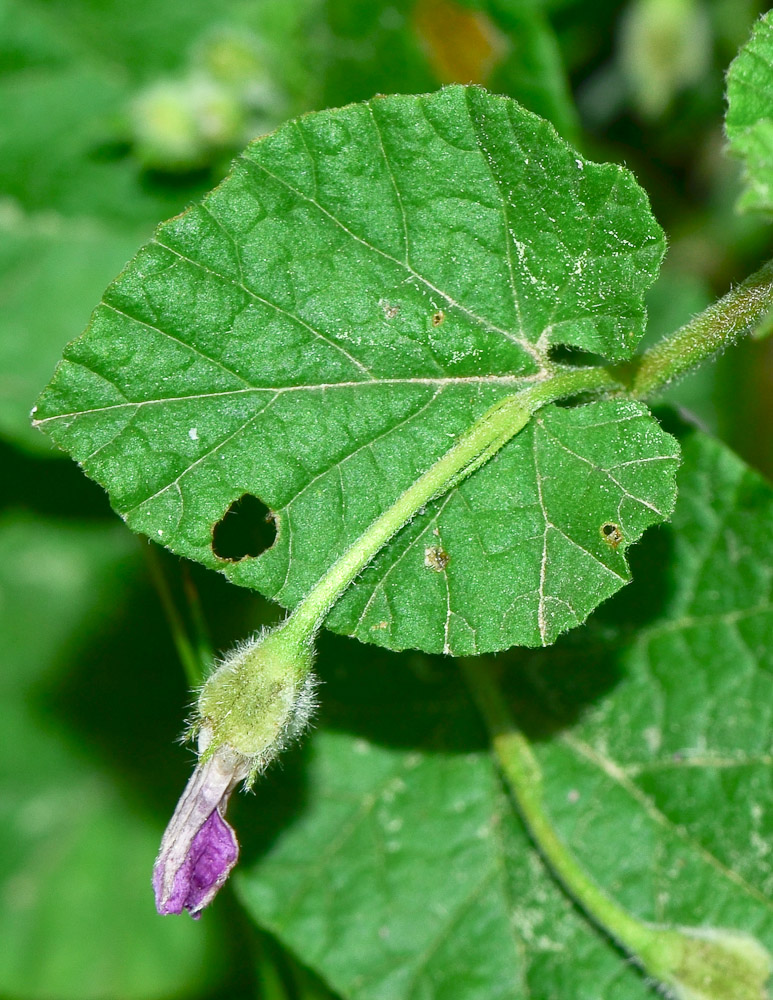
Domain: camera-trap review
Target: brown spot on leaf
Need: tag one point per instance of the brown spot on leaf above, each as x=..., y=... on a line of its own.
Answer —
x=611, y=533
x=438, y=317
x=436, y=558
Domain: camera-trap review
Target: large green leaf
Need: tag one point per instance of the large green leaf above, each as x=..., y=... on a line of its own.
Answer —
x=405, y=874
x=749, y=121
x=364, y=285
x=76, y=910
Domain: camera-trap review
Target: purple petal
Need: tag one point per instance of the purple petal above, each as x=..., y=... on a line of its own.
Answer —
x=207, y=865
x=199, y=848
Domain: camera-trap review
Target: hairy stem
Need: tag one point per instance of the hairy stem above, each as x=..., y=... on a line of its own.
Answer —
x=524, y=779
x=472, y=449
x=715, y=328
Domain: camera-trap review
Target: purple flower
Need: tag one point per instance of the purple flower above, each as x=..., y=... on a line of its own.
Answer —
x=199, y=848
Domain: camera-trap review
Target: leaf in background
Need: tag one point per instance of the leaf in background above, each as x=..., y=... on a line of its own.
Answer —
x=365, y=284
x=52, y=270
x=76, y=910
x=749, y=120
x=533, y=71
x=74, y=203
x=70, y=217
x=462, y=44
x=405, y=873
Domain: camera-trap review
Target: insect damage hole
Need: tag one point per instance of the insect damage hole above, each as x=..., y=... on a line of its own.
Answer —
x=246, y=530
x=611, y=533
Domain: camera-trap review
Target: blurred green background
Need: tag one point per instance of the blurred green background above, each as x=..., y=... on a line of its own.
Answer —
x=114, y=116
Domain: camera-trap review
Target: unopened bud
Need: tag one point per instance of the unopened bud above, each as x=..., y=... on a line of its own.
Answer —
x=179, y=124
x=260, y=698
x=254, y=705
x=710, y=964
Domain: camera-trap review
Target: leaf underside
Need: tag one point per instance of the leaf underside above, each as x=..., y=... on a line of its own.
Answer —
x=362, y=287
x=749, y=120
x=661, y=789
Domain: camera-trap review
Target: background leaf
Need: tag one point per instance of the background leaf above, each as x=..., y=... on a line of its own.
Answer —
x=749, y=121
x=76, y=848
x=318, y=331
x=659, y=785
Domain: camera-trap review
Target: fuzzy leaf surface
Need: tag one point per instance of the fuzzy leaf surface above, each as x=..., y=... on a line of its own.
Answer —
x=403, y=871
x=363, y=286
x=749, y=121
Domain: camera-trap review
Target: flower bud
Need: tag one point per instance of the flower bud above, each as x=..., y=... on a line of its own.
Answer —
x=257, y=701
x=260, y=697
x=180, y=125
x=710, y=964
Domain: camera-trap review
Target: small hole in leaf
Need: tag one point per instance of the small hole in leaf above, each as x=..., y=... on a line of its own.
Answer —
x=438, y=317
x=565, y=354
x=611, y=533
x=247, y=528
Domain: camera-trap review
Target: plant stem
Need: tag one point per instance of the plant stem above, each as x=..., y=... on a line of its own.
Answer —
x=201, y=636
x=189, y=657
x=715, y=328
x=524, y=778
x=472, y=449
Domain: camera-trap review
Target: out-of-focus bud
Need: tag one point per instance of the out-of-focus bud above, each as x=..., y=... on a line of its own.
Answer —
x=231, y=57
x=178, y=124
x=252, y=707
x=709, y=964
x=665, y=46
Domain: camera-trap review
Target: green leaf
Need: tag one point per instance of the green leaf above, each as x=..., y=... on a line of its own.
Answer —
x=70, y=218
x=533, y=71
x=60, y=263
x=404, y=872
x=364, y=285
x=76, y=850
x=749, y=121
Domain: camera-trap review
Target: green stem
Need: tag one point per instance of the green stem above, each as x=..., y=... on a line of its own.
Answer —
x=715, y=328
x=201, y=637
x=472, y=449
x=524, y=778
x=189, y=657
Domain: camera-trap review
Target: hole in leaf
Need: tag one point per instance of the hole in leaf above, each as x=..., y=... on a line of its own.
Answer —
x=563, y=354
x=246, y=530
